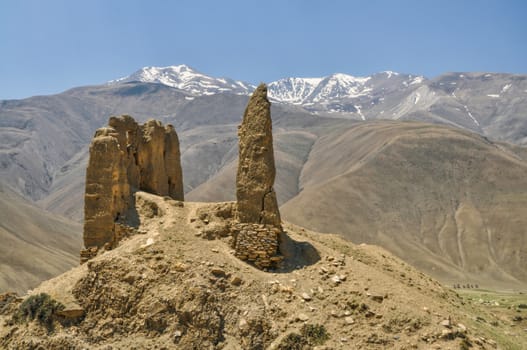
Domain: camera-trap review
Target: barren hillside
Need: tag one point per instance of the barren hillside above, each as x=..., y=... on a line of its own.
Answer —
x=36, y=245
x=179, y=286
x=449, y=202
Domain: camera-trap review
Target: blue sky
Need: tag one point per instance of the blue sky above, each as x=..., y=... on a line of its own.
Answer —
x=49, y=46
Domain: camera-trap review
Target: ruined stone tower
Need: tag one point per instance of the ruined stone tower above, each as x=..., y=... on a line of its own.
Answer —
x=124, y=158
x=256, y=170
x=255, y=238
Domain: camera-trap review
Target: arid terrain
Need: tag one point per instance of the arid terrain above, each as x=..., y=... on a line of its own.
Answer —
x=179, y=286
x=36, y=245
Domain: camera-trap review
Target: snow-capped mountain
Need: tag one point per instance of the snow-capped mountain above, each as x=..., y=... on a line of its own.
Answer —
x=303, y=91
x=293, y=90
x=186, y=78
x=307, y=92
x=385, y=95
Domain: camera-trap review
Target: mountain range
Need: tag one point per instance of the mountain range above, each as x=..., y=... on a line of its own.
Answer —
x=426, y=168
x=487, y=103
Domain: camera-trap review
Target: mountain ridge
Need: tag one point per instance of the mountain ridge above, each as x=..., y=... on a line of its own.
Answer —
x=336, y=85
x=486, y=103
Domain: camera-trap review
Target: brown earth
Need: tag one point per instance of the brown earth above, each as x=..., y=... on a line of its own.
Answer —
x=179, y=286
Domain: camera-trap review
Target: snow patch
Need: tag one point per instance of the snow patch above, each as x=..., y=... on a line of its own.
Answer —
x=189, y=98
x=417, y=97
x=185, y=78
x=493, y=95
x=300, y=91
x=390, y=73
x=417, y=80
x=357, y=107
x=293, y=90
x=471, y=116
x=349, y=78
x=505, y=88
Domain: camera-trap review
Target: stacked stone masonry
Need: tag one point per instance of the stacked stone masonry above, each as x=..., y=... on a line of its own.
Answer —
x=257, y=244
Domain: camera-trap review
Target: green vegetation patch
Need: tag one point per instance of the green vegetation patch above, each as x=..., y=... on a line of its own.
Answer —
x=310, y=335
x=40, y=307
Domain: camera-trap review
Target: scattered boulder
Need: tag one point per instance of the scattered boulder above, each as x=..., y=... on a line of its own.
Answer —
x=302, y=317
x=376, y=297
x=236, y=281
x=306, y=297
x=446, y=323
x=336, y=280
x=216, y=271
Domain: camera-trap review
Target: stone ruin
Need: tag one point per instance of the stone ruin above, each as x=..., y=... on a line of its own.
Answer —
x=126, y=157
x=256, y=237
x=256, y=170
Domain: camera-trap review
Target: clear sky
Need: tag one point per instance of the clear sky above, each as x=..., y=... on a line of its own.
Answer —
x=49, y=46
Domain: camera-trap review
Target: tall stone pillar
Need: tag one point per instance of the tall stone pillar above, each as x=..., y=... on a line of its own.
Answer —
x=255, y=195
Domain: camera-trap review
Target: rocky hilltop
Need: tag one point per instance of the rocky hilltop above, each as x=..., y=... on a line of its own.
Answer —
x=180, y=286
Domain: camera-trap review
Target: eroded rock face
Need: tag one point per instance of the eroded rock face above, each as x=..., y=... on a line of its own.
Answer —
x=255, y=195
x=127, y=157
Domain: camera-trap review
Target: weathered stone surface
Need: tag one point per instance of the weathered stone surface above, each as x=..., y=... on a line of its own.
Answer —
x=126, y=157
x=257, y=244
x=255, y=195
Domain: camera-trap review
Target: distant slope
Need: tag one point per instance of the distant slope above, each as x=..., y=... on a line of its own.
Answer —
x=36, y=245
x=291, y=151
x=447, y=201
